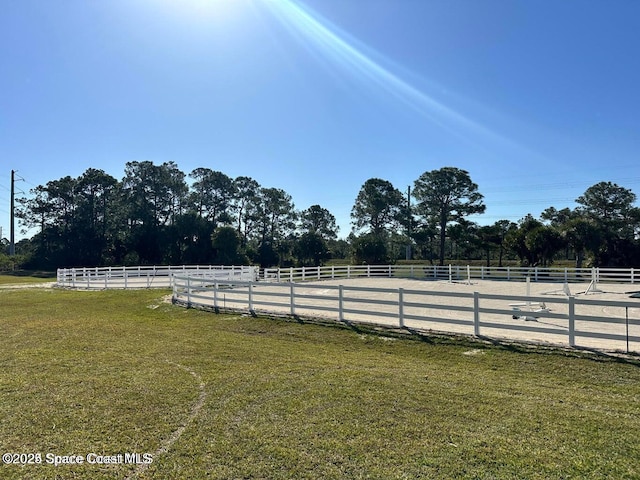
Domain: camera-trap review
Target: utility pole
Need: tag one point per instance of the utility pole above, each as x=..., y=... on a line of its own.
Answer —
x=408, y=249
x=12, y=234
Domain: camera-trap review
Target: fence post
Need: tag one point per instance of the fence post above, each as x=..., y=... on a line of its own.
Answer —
x=215, y=296
x=401, y=307
x=348, y=271
x=340, y=303
x=333, y=272
x=292, y=298
x=188, y=291
x=632, y=275
x=572, y=321
x=368, y=271
x=476, y=314
x=251, y=297
x=389, y=271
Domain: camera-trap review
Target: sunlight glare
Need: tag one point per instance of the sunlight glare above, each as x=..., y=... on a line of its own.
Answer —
x=200, y=11
x=334, y=46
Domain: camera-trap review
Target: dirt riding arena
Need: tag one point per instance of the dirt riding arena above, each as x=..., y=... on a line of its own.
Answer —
x=606, y=318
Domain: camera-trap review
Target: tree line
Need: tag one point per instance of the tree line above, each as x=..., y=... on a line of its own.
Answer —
x=154, y=216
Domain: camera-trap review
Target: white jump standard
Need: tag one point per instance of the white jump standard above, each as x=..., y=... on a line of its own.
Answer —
x=528, y=308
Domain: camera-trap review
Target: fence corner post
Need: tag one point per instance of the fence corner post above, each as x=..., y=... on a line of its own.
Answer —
x=476, y=314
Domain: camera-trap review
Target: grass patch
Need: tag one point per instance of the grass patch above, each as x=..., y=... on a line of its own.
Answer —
x=21, y=277
x=119, y=371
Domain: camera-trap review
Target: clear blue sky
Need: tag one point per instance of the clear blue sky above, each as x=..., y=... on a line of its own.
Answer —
x=538, y=100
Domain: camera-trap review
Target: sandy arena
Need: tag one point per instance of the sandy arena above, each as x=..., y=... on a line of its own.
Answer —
x=454, y=314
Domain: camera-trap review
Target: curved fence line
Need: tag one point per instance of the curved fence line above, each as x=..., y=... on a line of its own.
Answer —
x=160, y=276
x=147, y=276
x=560, y=320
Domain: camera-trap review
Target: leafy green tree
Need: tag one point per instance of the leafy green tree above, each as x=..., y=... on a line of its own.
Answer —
x=584, y=236
x=227, y=245
x=311, y=249
x=212, y=194
x=53, y=207
x=156, y=194
x=447, y=195
x=610, y=208
x=378, y=208
x=99, y=209
x=245, y=203
x=275, y=222
x=533, y=242
x=543, y=242
x=516, y=240
x=489, y=240
x=607, y=202
x=319, y=221
x=318, y=228
x=189, y=240
x=464, y=238
x=369, y=248
x=502, y=228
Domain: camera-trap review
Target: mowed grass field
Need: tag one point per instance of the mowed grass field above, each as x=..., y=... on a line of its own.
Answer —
x=236, y=397
x=23, y=278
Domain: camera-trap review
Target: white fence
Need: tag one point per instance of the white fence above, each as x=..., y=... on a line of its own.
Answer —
x=600, y=324
x=455, y=272
x=160, y=276
x=148, y=276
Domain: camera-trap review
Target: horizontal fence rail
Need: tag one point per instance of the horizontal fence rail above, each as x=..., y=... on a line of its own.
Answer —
x=160, y=276
x=454, y=273
x=147, y=276
x=564, y=320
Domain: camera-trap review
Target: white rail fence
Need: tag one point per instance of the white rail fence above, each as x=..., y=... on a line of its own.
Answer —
x=147, y=276
x=599, y=324
x=455, y=273
x=160, y=276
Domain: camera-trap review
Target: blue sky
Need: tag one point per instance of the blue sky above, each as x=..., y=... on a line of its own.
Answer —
x=537, y=100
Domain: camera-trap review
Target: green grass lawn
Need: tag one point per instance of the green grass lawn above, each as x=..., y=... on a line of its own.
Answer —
x=236, y=397
x=26, y=277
